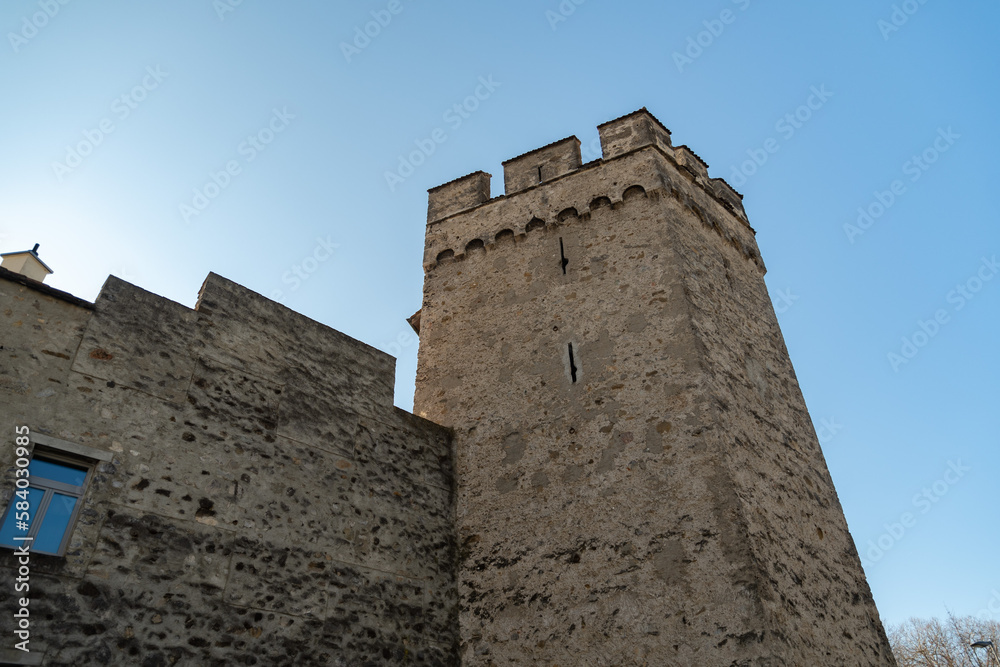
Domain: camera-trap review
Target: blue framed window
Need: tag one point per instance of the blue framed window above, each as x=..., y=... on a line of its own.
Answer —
x=46, y=510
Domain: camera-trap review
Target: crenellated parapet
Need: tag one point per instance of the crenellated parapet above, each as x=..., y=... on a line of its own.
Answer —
x=620, y=137
x=550, y=186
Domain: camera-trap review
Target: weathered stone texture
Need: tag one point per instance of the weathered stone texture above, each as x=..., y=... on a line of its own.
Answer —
x=658, y=498
x=634, y=478
x=458, y=195
x=541, y=164
x=265, y=503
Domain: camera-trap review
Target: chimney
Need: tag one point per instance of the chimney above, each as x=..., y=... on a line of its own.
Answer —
x=27, y=263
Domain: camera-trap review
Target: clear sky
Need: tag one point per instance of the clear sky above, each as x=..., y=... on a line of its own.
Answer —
x=161, y=141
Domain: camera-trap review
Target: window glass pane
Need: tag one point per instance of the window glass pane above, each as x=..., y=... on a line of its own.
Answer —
x=54, y=523
x=59, y=472
x=10, y=528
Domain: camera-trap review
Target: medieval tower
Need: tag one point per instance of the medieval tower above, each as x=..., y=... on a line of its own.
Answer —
x=639, y=481
x=618, y=467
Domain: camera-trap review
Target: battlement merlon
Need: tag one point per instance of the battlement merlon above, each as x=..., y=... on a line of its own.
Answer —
x=640, y=129
x=622, y=136
x=631, y=132
x=542, y=164
x=458, y=195
x=237, y=328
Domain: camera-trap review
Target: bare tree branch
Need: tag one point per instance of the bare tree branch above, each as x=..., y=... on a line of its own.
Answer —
x=933, y=643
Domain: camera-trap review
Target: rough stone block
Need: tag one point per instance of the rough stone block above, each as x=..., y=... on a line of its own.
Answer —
x=632, y=132
x=458, y=195
x=542, y=164
x=139, y=340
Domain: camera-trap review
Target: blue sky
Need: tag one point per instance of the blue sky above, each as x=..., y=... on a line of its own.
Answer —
x=161, y=141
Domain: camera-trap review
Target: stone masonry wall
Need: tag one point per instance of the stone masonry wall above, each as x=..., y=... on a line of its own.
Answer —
x=811, y=580
x=265, y=503
x=593, y=530
x=644, y=501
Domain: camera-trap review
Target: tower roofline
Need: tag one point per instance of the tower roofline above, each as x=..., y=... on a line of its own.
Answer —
x=438, y=188
x=697, y=157
x=471, y=223
x=637, y=112
x=619, y=137
x=572, y=137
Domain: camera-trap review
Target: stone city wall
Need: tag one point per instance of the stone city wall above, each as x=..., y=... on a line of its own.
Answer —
x=257, y=499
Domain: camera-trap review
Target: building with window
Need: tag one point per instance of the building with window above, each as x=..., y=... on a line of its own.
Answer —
x=612, y=462
x=229, y=485
x=46, y=507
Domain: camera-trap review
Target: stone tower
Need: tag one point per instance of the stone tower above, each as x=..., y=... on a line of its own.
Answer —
x=639, y=481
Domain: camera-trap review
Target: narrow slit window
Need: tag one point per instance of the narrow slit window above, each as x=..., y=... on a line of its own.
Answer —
x=539, y=173
x=572, y=364
x=562, y=254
